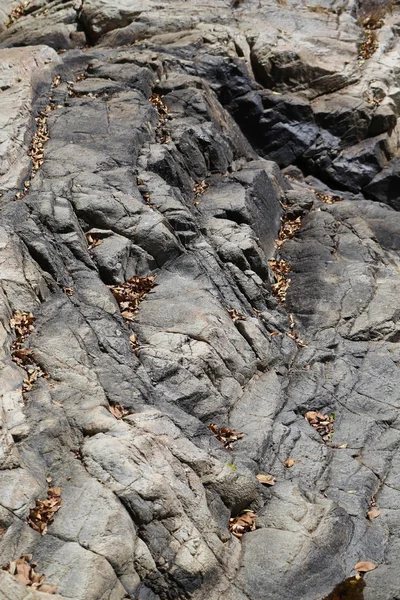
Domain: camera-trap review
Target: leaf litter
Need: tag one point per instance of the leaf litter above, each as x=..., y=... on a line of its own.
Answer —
x=288, y=229
x=236, y=315
x=294, y=334
x=43, y=513
x=162, y=133
x=280, y=269
x=118, y=411
x=225, y=435
x=16, y=13
x=23, y=325
x=131, y=293
x=23, y=569
x=243, y=523
x=328, y=198
x=323, y=424
x=40, y=136
x=199, y=190
x=92, y=240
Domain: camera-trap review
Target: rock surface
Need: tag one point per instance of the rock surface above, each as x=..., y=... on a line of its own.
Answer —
x=199, y=142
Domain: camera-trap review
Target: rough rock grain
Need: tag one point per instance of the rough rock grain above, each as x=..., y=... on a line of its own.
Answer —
x=198, y=141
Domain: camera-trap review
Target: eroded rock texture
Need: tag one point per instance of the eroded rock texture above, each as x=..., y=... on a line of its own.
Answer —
x=182, y=139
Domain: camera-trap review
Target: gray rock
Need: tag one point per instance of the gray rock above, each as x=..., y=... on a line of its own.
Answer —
x=184, y=186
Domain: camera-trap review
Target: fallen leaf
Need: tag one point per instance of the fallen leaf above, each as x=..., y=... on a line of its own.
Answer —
x=280, y=269
x=289, y=463
x=24, y=571
x=236, y=315
x=131, y=293
x=118, y=411
x=266, y=479
x=23, y=325
x=343, y=446
x=242, y=523
x=92, y=241
x=365, y=566
x=373, y=513
x=43, y=513
x=321, y=423
x=225, y=435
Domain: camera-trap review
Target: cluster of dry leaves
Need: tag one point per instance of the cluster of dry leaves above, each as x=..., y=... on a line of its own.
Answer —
x=39, y=139
x=162, y=132
x=145, y=194
x=23, y=325
x=199, y=190
x=280, y=269
x=92, y=241
x=370, y=24
x=323, y=10
x=118, y=411
x=369, y=45
x=294, y=334
x=24, y=571
x=328, y=198
x=236, y=315
x=43, y=513
x=225, y=435
x=373, y=511
x=321, y=423
x=131, y=293
x=36, y=149
x=288, y=229
x=242, y=523
x=16, y=13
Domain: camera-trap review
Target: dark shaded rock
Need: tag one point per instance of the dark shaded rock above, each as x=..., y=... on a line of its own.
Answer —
x=385, y=186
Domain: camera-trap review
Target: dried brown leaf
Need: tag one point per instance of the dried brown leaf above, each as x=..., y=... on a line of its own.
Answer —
x=131, y=293
x=24, y=571
x=242, y=523
x=266, y=479
x=225, y=435
x=373, y=513
x=118, y=411
x=43, y=512
x=365, y=566
x=236, y=315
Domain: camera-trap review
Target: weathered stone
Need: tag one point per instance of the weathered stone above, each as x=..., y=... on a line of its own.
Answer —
x=159, y=160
